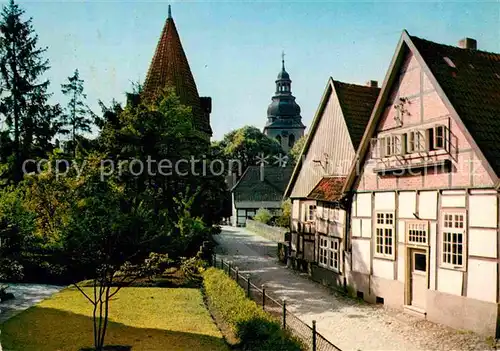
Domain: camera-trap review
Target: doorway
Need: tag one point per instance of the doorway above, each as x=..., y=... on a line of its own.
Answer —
x=418, y=278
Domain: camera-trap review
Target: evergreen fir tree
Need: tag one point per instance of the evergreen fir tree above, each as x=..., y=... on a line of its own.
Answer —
x=23, y=92
x=77, y=117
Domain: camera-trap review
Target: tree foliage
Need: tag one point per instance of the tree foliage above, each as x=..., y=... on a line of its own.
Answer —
x=296, y=150
x=76, y=119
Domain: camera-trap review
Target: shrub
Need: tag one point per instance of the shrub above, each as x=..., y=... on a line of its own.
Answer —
x=263, y=215
x=11, y=270
x=286, y=212
x=255, y=328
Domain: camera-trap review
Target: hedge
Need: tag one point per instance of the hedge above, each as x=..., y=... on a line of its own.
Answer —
x=255, y=329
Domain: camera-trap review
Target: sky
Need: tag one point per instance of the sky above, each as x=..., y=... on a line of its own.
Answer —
x=234, y=48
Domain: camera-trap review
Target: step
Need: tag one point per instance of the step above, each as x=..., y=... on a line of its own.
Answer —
x=415, y=311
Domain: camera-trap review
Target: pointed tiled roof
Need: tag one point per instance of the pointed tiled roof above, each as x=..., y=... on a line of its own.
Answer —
x=251, y=188
x=356, y=102
x=328, y=189
x=170, y=66
x=473, y=88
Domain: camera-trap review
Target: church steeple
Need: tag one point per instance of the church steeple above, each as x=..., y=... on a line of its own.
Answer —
x=284, y=122
x=170, y=67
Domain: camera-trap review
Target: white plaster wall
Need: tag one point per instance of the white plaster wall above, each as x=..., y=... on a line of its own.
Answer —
x=401, y=262
x=383, y=268
x=354, y=206
x=385, y=201
x=361, y=256
x=453, y=201
x=483, y=242
x=364, y=202
x=407, y=204
x=483, y=211
x=296, y=209
x=401, y=232
x=432, y=255
x=427, y=204
x=366, y=228
x=450, y=281
x=482, y=280
x=356, y=227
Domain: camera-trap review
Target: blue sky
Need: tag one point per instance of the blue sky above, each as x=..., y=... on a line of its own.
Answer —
x=234, y=48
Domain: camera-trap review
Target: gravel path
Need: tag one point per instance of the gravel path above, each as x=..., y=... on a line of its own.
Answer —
x=347, y=323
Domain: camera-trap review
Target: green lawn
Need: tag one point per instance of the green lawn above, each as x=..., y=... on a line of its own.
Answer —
x=149, y=319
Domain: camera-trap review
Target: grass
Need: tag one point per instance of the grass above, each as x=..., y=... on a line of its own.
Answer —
x=148, y=319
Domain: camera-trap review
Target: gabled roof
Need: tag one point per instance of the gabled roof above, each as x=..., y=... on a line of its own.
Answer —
x=170, y=66
x=328, y=189
x=251, y=188
x=470, y=90
x=356, y=103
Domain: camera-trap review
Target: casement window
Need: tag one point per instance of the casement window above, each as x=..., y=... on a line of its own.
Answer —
x=329, y=253
x=384, y=234
x=438, y=138
x=453, y=238
x=415, y=141
x=311, y=213
x=417, y=232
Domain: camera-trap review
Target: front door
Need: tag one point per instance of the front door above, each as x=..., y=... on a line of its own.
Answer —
x=418, y=278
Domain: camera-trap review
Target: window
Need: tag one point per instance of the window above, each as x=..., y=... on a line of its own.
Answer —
x=415, y=141
x=417, y=232
x=329, y=253
x=437, y=138
x=311, y=212
x=384, y=234
x=453, y=239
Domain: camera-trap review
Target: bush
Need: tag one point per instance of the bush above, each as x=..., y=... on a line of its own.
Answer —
x=11, y=270
x=263, y=215
x=255, y=328
x=286, y=212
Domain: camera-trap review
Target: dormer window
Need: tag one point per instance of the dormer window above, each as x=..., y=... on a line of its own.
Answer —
x=437, y=138
x=415, y=141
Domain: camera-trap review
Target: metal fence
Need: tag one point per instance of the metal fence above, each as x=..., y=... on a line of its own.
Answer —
x=308, y=335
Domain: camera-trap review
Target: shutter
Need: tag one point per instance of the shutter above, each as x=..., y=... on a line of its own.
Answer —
x=381, y=147
x=404, y=143
x=429, y=138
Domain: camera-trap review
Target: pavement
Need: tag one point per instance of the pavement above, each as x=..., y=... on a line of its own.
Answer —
x=347, y=323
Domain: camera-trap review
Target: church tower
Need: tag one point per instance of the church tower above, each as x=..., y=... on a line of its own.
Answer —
x=284, y=122
x=170, y=67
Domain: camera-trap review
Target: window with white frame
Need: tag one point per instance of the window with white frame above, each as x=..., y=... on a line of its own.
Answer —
x=438, y=138
x=415, y=141
x=453, y=239
x=329, y=253
x=384, y=234
x=417, y=232
x=311, y=212
x=392, y=145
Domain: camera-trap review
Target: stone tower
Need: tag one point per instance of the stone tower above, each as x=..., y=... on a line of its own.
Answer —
x=284, y=122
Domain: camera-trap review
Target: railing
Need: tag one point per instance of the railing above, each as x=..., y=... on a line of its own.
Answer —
x=311, y=339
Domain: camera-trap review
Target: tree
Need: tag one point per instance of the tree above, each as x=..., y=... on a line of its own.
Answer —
x=76, y=118
x=22, y=90
x=284, y=218
x=245, y=145
x=296, y=150
x=109, y=235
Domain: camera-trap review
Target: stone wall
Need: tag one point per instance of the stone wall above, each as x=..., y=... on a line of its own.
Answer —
x=276, y=234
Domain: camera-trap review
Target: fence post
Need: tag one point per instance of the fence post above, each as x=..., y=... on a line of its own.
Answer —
x=248, y=286
x=263, y=297
x=214, y=260
x=222, y=263
x=229, y=269
x=237, y=273
x=284, y=314
x=314, y=336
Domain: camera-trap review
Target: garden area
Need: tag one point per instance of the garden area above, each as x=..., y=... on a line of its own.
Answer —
x=142, y=318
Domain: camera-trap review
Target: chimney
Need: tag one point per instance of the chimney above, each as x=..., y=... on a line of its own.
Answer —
x=372, y=84
x=262, y=172
x=468, y=43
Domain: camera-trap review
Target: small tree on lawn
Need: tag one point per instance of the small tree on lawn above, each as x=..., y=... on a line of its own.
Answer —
x=109, y=236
